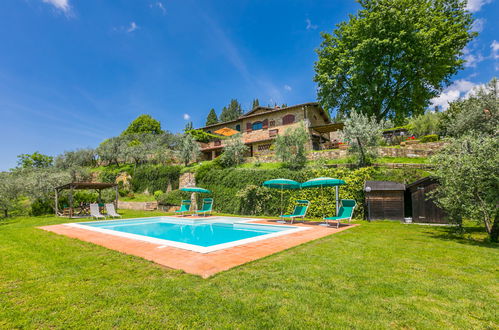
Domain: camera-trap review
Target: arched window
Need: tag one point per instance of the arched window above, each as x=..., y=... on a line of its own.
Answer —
x=257, y=125
x=288, y=119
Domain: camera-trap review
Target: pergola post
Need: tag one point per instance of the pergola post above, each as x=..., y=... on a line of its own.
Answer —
x=56, y=208
x=71, y=202
x=117, y=195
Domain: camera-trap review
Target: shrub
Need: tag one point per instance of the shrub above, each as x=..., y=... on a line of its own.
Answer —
x=41, y=207
x=429, y=138
x=172, y=198
x=158, y=193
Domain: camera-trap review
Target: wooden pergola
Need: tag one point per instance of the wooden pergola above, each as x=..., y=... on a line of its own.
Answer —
x=98, y=186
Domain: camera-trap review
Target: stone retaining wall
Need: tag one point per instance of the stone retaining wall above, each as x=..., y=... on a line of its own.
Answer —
x=140, y=206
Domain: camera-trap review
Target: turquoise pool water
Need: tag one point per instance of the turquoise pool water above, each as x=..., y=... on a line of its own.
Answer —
x=204, y=233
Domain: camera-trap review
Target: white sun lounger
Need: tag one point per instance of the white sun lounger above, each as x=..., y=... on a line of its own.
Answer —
x=111, y=211
x=95, y=213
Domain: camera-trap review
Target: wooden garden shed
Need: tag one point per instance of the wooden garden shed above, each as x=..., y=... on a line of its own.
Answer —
x=424, y=210
x=385, y=200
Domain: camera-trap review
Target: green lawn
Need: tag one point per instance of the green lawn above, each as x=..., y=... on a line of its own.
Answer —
x=377, y=275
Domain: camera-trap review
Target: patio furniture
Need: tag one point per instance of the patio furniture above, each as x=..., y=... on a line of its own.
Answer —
x=207, y=207
x=185, y=206
x=94, y=212
x=345, y=212
x=110, y=211
x=299, y=212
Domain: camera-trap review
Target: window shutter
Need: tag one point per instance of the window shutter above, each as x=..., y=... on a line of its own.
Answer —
x=265, y=123
x=248, y=127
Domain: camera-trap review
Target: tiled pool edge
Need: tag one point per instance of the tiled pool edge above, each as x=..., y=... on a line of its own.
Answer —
x=204, y=265
x=196, y=248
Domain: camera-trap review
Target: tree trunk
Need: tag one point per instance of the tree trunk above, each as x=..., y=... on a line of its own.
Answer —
x=362, y=161
x=494, y=231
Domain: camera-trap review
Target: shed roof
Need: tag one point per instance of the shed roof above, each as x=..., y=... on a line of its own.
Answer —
x=423, y=181
x=385, y=185
x=87, y=185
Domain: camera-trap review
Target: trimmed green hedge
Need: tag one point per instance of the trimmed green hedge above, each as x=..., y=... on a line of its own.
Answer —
x=429, y=138
x=155, y=177
x=173, y=198
x=232, y=195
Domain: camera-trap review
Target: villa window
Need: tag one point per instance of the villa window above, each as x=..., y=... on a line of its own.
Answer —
x=257, y=125
x=288, y=119
x=272, y=123
x=238, y=127
x=264, y=147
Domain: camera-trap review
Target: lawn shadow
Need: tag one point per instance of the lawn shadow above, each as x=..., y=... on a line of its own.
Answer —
x=466, y=235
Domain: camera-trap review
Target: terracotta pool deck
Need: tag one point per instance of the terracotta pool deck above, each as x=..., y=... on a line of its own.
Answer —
x=202, y=264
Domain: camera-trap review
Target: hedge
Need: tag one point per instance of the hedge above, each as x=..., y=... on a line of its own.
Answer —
x=173, y=198
x=155, y=177
x=429, y=138
x=239, y=191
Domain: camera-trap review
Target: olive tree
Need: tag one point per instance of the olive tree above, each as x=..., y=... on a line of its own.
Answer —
x=11, y=189
x=363, y=133
x=478, y=113
x=468, y=172
x=290, y=147
x=234, y=151
x=188, y=149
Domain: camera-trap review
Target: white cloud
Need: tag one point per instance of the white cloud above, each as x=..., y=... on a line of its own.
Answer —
x=186, y=116
x=476, y=5
x=59, y=4
x=133, y=26
x=460, y=88
x=159, y=5
x=495, y=49
x=478, y=24
x=288, y=88
x=310, y=26
x=473, y=60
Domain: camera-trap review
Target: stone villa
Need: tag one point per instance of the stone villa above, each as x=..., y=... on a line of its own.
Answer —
x=260, y=126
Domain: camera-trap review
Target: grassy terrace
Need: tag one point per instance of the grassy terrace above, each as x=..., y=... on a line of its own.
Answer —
x=377, y=275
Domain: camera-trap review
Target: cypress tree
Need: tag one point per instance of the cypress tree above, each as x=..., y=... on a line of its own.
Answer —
x=256, y=103
x=212, y=118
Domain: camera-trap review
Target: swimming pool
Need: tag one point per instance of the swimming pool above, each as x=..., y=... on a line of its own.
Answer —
x=199, y=235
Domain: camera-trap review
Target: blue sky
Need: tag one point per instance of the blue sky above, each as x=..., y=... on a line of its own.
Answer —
x=74, y=72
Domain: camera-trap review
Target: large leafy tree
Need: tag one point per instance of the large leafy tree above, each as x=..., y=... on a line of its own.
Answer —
x=233, y=111
x=212, y=118
x=143, y=124
x=392, y=57
x=468, y=171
